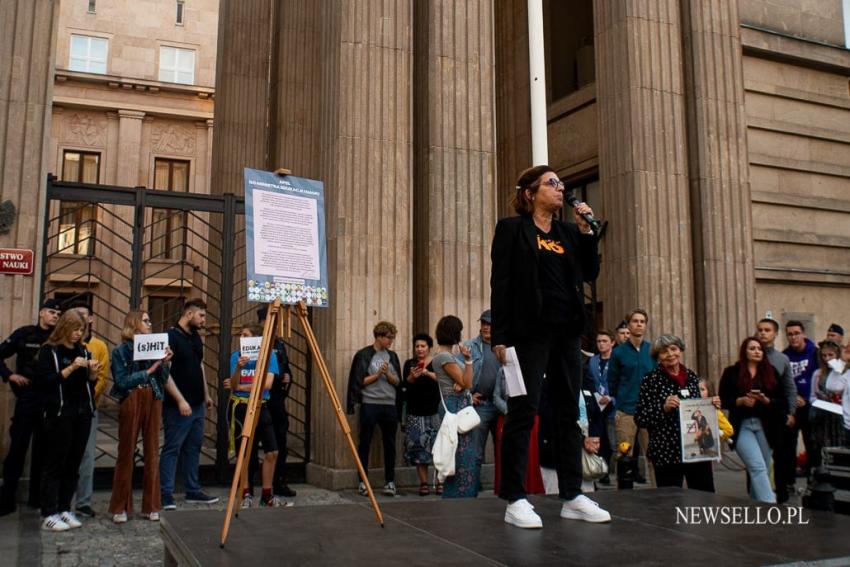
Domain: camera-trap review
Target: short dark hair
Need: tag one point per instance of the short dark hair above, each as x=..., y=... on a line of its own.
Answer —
x=423, y=337
x=771, y=321
x=622, y=325
x=527, y=180
x=795, y=323
x=448, y=330
x=636, y=311
x=255, y=328
x=383, y=329
x=196, y=303
x=607, y=333
x=80, y=304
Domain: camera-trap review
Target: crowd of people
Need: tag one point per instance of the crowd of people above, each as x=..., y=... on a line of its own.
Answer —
x=61, y=372
x=572, y=408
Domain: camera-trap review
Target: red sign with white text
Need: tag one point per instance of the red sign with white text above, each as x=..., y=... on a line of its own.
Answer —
x=16, y=261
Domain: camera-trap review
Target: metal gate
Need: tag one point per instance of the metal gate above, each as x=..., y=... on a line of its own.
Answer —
x=118, y=248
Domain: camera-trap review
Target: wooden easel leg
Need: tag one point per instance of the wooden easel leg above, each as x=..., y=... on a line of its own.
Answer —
x=301, y=312
x=255, y=399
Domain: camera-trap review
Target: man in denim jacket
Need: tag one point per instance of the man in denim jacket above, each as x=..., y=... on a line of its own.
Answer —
x=485, y=375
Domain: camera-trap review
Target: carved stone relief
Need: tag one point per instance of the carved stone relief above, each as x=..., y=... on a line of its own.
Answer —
x=173, y=139
x=85, y=129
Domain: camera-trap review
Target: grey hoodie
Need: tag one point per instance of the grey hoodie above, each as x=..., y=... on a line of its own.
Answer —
x=782, y=366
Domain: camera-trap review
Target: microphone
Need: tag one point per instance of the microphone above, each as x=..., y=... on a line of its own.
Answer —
x=596, y=225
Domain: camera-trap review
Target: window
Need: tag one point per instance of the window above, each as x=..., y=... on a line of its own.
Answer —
x=92, y=6
x=164, y=312
x=177, y=65
x=77, y=220
x=168, y=226
x=88, y=54
x=179, y=12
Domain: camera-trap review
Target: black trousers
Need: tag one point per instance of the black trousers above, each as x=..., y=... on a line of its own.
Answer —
x=557, y=354
x=65, y=442
x=699, y=476
x=263, y=436
x=280, y=421
x=26, y=425
x=385, y=417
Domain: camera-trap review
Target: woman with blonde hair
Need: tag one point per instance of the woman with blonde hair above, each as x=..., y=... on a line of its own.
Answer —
x=139, y=387
x=66, y=374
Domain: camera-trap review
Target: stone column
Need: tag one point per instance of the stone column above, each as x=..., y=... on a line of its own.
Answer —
x=27, y=48
x=243, y=99
x=366, y=166
x=129, y=148
x=454, y=164
x=644, y=163
x=513, y=103
x=719, y=181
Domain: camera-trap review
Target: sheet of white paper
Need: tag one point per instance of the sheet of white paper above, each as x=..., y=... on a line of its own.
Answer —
x=514, y=384
x=598, y=396
x=827, y=406
x=149, y=346
x=250, y=347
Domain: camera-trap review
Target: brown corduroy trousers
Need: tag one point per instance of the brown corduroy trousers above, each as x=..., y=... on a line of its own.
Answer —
x=139, y=412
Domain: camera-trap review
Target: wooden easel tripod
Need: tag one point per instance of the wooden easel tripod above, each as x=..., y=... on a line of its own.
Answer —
x=278, y=318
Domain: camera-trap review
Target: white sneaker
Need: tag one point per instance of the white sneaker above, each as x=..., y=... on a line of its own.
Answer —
x=120, y=518
x=361, y=489
x=153, y=516
x=583, y=508
x=247, y=501
x=522, y=515
x=54, y=523
x=390, y=489
x=69, y=518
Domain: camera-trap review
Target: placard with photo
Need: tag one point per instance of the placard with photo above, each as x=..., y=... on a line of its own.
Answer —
x=700, y=431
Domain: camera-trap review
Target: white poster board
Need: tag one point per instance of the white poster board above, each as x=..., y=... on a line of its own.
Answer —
x=150, y=346
x=250, y=347
x=514, y=384
x=700, y=432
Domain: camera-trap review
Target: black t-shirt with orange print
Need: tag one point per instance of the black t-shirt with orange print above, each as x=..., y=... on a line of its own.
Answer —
x=558, y=299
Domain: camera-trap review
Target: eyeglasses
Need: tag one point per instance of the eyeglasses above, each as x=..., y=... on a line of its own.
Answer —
x=554, y=183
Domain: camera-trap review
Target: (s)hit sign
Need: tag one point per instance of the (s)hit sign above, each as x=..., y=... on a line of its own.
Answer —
x=16, y=261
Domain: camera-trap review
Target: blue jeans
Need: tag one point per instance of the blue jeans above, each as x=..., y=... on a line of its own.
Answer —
x=85, y=485
x=754, y=450
x=183, y=438
x=489, y=416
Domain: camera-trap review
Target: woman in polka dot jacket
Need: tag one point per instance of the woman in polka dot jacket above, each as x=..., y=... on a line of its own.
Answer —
x=658, y=412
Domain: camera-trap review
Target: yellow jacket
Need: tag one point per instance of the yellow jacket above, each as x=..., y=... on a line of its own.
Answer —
x=726, y=429
x=100, y=352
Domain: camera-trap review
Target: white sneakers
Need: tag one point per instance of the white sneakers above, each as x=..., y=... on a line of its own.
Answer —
x=522, y=515
x=54, y=523
x=120, y=518
x=69, y=518
x=583, y=508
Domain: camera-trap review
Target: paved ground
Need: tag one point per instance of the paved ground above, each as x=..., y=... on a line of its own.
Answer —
x=101, y=543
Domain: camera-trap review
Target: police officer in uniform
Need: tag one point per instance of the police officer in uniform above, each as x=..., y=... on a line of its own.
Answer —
x=29, y=405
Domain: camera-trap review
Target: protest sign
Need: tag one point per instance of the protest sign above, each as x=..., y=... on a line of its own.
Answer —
x=150, y=346
x=250, y=347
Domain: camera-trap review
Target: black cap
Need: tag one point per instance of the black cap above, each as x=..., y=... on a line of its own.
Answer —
x=486, y=317
x=51, y=303
x=836, y=328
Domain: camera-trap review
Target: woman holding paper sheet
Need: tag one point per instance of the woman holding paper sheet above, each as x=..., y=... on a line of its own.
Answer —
x=139, y=387
x=539, y=266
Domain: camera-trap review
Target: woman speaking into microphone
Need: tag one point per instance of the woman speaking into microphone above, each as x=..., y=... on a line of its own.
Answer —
x=539, y=266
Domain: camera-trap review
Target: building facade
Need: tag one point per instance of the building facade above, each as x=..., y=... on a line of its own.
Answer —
x=713, y=136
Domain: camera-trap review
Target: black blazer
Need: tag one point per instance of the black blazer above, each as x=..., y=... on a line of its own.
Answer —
x=515, y=298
